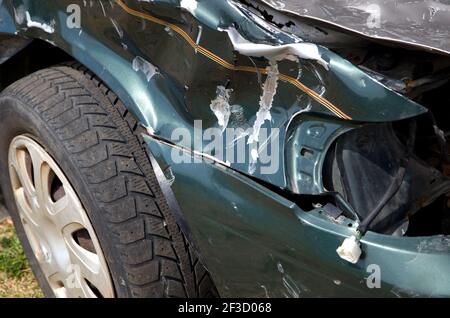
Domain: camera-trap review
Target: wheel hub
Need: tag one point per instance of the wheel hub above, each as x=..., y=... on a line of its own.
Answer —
x=57, y=226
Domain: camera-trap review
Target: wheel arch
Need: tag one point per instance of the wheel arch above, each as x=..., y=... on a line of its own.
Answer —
x=26, y=56
x=33, y=55
x=21, y=56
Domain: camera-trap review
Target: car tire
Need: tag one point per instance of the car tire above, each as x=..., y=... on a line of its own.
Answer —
x=97, y=144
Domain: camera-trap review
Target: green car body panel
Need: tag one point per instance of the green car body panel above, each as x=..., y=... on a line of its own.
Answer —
x=254, y=240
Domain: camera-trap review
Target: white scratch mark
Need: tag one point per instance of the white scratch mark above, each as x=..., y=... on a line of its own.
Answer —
x=199, y=37
x=150, y=131
x=189, y=5
x=291, y=287
x=103, y=8
x=265, y=291
x=280, y=268
x=220, y=106
x=34, y=24
x=19, y=14
x=254, y=153
x=116, y=26
x=265, y=104
x=140, y=64
x=293, y=51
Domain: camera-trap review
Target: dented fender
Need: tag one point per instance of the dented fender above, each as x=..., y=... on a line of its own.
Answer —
x=166, y=60
x=237, y=224
x=192, y=65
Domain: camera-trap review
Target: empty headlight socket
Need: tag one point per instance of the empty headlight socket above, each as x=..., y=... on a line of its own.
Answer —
x=350, y=249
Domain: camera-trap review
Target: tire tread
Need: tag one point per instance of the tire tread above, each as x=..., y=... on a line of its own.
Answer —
x=106, y=144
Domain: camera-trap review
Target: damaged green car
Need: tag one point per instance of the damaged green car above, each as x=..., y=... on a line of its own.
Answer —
x=235, y=148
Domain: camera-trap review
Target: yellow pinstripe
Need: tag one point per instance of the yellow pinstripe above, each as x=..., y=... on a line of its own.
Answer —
x=217, y=59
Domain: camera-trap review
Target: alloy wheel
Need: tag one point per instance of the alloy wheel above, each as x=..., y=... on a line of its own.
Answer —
x=56, y=224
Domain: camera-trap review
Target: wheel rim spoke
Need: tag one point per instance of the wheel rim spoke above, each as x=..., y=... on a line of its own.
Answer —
x=17, y=161
x=88, y=266
x=56, y=224
x=66, y=211
x=24, y=208
x=38, y=175
x=19, y=176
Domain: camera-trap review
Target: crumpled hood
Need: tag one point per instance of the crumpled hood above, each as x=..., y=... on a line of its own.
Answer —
x=420, y=23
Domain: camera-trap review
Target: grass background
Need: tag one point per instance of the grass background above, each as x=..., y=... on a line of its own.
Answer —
x=16, y=278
